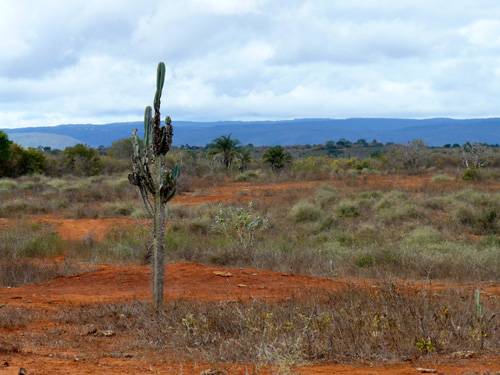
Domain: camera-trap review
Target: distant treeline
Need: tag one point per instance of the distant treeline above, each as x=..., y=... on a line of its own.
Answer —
x=226, y=154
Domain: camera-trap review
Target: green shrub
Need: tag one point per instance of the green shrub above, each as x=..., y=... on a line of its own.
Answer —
x=348, y=209
x=28, y=240
x=7, y=184
x=479, y=220
x=391, y=199
x=471, y=174
x=305, y=211
x=325, y=196
x=364, y=261
x=422, y=235
x=243, y=223
x=399, y=213
x=246, y=176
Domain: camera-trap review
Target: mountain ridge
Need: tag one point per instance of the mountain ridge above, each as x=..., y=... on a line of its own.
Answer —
x=434, y=131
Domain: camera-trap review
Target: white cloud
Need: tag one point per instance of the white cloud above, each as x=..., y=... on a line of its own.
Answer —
x=94, y=60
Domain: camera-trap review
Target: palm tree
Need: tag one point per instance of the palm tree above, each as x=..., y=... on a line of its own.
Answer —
x=244, y=157
x=226, y=147
x=277, y=157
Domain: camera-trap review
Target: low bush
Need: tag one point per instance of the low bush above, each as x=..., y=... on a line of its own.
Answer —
x=305, y=211
x=348, y=209
x=30, y=240
x=471, y=174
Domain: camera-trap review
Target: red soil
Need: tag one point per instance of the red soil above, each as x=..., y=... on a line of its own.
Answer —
x=67, y=364
x=244, y=191
x=112, y=283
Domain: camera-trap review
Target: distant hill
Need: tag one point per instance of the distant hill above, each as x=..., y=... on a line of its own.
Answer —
x=435, y=132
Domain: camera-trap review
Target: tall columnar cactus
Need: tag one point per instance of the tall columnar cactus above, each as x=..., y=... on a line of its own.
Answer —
x=155, y=181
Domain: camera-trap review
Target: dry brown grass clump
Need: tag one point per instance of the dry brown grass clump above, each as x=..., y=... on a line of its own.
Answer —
x=351, y=326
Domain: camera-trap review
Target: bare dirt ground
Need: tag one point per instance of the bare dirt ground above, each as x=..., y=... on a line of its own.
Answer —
x=69, y=365
x=110, y=284
x=113, y=283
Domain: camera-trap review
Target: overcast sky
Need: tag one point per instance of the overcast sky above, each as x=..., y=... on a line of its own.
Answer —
x=94, y=60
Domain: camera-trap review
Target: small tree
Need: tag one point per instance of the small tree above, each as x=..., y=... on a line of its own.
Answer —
x=332, y=149
x=4, y=153
x=277, y=157
x=121, y=149
x=225, y=147
x=473, y=155
x=82, y=160
x=412, y=156
x=155, y=181
x=244, y=158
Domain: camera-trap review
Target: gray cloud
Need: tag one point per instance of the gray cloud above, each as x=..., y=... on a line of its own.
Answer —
x=94, y=60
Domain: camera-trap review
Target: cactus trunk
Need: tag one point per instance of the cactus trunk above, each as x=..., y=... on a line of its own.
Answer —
x=156, y=182
x=158, y=252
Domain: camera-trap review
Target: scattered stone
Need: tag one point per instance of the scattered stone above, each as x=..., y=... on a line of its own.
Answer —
x=222, y=273
x=463, y=354
x=105, y=333
x=426, y=370
x=22, y=371
x=213, y=372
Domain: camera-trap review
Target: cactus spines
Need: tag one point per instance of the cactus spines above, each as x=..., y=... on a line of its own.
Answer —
x=155, y=181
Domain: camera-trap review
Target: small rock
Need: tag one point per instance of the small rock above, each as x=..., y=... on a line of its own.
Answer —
x=426, y=370
x=463, y=354
x=105, y=333
x=242, y=285
x=213, y=372
x=5, y=364
x=22, y=371
x=222, y=273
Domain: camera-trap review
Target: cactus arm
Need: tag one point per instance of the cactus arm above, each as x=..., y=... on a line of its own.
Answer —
x=147, y=126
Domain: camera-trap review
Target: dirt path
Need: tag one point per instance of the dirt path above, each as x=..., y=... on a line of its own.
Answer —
x=193, y=281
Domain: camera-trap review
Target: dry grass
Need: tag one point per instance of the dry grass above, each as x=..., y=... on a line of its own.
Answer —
x=351, y=326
